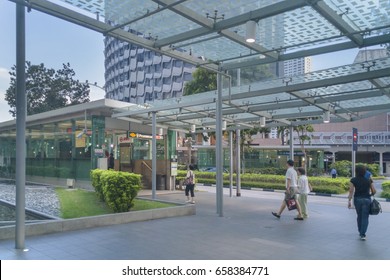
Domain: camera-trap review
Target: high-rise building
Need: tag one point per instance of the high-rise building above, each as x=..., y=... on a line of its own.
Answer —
x=297, y=66
x=137, y=75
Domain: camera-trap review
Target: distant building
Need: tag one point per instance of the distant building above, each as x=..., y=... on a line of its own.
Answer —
x=137, y=75
x=334, y=140
x=299, y=66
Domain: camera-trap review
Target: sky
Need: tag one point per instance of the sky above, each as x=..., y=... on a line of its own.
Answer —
x=53, y=41
x=50, y=41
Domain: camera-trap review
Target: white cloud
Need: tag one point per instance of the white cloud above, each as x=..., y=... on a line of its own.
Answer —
x=4, y=75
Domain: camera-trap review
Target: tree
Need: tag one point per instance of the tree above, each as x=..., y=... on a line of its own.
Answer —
x=252, y=74
x=304, y=136
x=48, y=89
x=203, y=80
x=283, y=133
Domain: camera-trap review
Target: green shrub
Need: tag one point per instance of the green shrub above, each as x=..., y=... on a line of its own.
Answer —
x=386, y=185
x=386, y=194
x=96, y=184
x=386, y=189
x=343, y=168
x=373, y=168
x=267, y=170
x=264, y=181
x=181, y=167
x=119, y=189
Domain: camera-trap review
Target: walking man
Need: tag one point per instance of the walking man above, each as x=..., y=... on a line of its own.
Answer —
x=291, y=190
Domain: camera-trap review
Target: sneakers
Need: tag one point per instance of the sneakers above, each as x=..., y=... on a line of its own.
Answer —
x=363, y=237
x=192, y=202
x=276, y=215
x=298, y=218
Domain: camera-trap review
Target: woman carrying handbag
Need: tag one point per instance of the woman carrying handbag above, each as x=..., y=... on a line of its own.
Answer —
x=361, y=190
x=190, y=184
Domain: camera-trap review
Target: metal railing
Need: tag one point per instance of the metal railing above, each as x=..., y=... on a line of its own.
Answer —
x=345, y=138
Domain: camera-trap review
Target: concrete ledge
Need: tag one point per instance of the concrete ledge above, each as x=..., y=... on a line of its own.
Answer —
x=46, y=227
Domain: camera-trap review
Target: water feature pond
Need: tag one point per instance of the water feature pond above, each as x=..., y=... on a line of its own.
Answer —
x=38, y=199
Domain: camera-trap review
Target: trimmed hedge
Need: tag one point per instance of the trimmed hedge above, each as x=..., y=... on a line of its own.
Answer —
x=344, y=168
x=116, y=188
x=96, y=183
x=319, y=184
x=386, y=189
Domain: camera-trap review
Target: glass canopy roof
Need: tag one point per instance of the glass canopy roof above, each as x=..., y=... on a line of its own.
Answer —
x=349, y=92
x=192, y=30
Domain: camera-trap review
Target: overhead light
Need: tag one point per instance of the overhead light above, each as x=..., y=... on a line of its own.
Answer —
x=193, y=128
x=326, y=117
x=262, y=121
x=250, y=31
x=160, y=131
x=223, y=125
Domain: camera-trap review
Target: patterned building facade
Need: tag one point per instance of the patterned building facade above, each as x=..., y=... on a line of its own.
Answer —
x=137, y=75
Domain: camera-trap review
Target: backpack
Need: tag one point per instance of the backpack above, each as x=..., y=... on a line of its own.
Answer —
x=375, y=207
x=190, y=180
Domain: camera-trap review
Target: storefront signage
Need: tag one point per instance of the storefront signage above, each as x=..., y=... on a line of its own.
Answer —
x=80, y=141
x=144, y=136
x=123, y=139
x=173, y=168
x=98, y=152
x=287, y=153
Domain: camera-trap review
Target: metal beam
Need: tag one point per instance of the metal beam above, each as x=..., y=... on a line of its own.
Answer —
x=189, y=103
x=208, y=26
x=101, y=27
x=336, y=20
x=326, y=106
x=253, y=60
x=316, y=84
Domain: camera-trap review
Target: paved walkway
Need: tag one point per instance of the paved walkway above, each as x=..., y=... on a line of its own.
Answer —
x=247, y=230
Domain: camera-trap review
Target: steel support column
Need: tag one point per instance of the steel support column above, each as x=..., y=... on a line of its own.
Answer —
x=219, y=148
x=381, y=163
x=231, y=163
x=238, y=162
x=154, y=157
x=21, y=112
x=291, y=143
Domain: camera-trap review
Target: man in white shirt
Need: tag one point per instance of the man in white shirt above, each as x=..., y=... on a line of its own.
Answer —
x=291, y=190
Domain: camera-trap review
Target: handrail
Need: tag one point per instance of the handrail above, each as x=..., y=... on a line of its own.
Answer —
x=144, y=163
x=344, y=138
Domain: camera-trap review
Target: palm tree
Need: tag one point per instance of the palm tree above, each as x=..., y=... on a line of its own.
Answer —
x=283, y=133
x=303, y=132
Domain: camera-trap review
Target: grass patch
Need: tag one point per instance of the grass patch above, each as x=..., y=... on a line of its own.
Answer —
x=76, y=203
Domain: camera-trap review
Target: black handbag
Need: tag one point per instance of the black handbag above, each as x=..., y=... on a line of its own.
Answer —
x=375, y=207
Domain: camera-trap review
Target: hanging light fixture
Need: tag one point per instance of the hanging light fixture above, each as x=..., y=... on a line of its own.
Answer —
x=326, y=117
x=223, y=125
x=262, y=121
x=250, y=31
x=160, y=131
x=193, y=128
